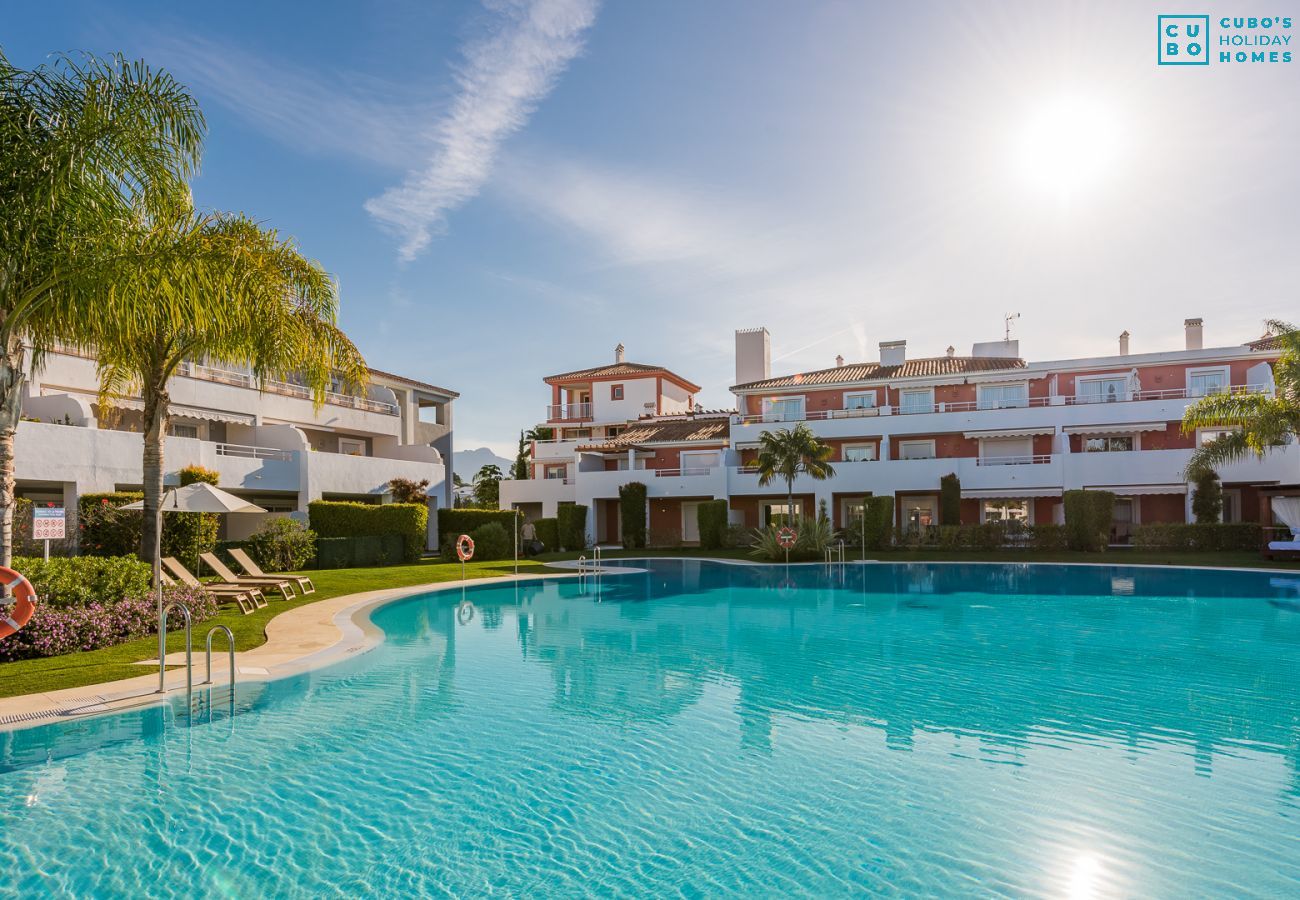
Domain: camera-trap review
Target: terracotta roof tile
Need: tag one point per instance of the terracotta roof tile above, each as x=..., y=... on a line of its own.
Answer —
x=713, y=428
x=912, y=368
x=411, y=381
x=1267, y=342
x=614, y=370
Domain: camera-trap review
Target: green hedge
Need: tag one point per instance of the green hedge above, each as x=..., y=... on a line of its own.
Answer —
x=1088, y=516
x=360, y=550
x=712, y=519
x=452, y=523
x=548, y=532
x=82, y=580
x=333, y=519
x=491, y=541
x=1207, y=498
x=876, y=529
x=571, y=520
x=1178, y=536
x=950, y=499
x=631, y=510
x=105, y=529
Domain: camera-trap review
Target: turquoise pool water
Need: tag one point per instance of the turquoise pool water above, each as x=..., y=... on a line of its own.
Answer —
x=706, y=729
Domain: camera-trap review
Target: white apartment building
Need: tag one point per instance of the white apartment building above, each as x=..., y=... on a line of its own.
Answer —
x=1017, y=434
x=268, y=441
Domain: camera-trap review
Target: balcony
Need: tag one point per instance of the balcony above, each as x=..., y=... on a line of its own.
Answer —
x=568, y=412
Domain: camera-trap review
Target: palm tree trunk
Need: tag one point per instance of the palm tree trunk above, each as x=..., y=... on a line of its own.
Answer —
x=156, y=404
x=11, y=400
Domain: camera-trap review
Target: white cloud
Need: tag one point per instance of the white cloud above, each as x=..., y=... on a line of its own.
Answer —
x=503, y=78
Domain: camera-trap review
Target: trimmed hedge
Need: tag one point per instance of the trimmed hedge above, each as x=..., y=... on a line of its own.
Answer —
x=359, y=550
x=631, y=511
x=452, y=523
x=712, y=519
x=1207, y=498
x=548, y=532
x=334, y=519
x=950, y=499
x=1179, y=536
x=1088, y=516
x=491, y=541
x=82, y=580
x=571, y=520
x=105, y=529
x=877, y=521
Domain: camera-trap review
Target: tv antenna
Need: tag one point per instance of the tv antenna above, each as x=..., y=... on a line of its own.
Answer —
x=1007, y=320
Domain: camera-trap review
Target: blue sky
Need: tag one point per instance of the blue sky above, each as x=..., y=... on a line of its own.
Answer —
x=508, y=189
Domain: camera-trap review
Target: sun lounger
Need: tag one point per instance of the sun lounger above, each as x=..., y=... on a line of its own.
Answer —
x=221, y=570
x=253, y=569
x=248, y=597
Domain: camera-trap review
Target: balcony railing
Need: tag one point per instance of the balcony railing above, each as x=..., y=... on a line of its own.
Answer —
x=246, y=452
x=687, y=471
x=568, y=412
x=245, y=380
x=1034, y=460
x=1170, y=394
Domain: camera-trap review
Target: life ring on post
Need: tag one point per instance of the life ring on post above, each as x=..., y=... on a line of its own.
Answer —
x=24, y=601
x=786, y=537
x=464, y=548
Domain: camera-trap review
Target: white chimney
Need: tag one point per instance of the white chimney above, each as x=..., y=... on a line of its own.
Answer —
x=618, y=353
x=893, y=353
x=1194, y=329
x=1123, y=344
x=952, y=351
x=753, y=355
x=839, y=361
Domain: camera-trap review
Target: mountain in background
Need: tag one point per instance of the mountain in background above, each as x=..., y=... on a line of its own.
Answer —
x=466, y=463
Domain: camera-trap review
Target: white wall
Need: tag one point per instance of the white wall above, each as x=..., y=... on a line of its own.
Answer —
x=637, y=392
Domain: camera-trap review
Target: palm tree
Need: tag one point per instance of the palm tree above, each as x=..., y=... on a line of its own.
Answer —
x=275, y=312
x=1259, y=421
x=81, y=142
x=788, y=452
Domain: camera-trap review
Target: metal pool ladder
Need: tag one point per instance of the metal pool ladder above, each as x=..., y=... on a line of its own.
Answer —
x=189, y=650
x=230, y=640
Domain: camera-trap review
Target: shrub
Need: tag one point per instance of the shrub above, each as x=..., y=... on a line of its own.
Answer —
x=1047, y=537
x=1181, y=537
x=23, y=542
x=55, y=630
x=452, y=523
x=81, y=580
x=712, y=518
x=631, y=511
x=491, y=541
x=876, y=529
x=406, y=490
x=815, y=535
x=664, y=538
x=282, y=545
x=950, y=499
x=1207, y=498
x=332, y=519
x=735, y=537
x=571, y=520
x=361, y=550
x=106, y=530
x=548, y=533
x=1088, y=516
x=197, y=474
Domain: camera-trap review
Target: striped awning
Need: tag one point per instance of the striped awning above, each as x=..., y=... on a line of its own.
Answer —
x=1116, y=428
x=1133, y=490
x=181, y=411
x=1011, y=432
x=1009, y=493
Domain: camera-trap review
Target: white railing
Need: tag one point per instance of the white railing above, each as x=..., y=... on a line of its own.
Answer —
x=1170, y=394
x=245, y=452
x=688, y=471
x=222, y=376
x=568, y=412
x=245, y=380
x=1036, y=459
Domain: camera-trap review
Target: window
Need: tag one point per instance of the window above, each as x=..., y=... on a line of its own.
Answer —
x=614, y=430
x=864, y=400
x=1003, y=396
x=918, y=513
x=1108, y=444
x=1006, y=511
x=852, y=509
x=553, y=472
x=185, y=431
x=1203, y=382
x=788, y=409
x=616, y=392
x=1101, y=390
x=916, y=449
x=776, y=513
x=916, y=400
x=859, y=452
x=1004, y=451
x=1206, y=435
x=576, y=433
x=351, y=447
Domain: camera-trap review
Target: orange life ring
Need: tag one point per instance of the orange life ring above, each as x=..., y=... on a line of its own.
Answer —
x=786, y=537
x=24, y=601
x=464, y=548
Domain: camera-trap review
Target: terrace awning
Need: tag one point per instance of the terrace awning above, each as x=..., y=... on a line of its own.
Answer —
x=1008, y=493
x=1124, y=428
x=1011, y=432
x=181, y=411
x=1133, y=490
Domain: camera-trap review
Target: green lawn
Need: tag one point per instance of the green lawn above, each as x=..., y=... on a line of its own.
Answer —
x=112, y=663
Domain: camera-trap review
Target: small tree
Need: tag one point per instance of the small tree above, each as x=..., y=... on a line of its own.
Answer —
x=950, y=499
x=406, y=490
x=1207, y=497
x=631, y=510
x=487, y=486
x=712, y=519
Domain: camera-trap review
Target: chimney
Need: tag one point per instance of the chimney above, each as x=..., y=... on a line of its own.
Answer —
x=952, y=351
x=618, y=354
x=1193, y=328
x=893, y=353
x=1123, y=344
x=839, y=361
x=753, y=355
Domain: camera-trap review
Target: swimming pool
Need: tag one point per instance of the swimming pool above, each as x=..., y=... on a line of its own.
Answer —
x=704, y=729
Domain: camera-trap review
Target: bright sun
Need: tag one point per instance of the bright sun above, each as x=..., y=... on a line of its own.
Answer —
x=1067, y=146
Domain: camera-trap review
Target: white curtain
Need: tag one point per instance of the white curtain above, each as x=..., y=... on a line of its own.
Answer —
x=1287, y=511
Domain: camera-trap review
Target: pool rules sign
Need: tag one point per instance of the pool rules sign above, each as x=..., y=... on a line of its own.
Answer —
x=47, y=525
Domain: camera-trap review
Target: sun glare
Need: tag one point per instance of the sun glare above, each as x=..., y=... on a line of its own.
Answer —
x=1067, y=146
